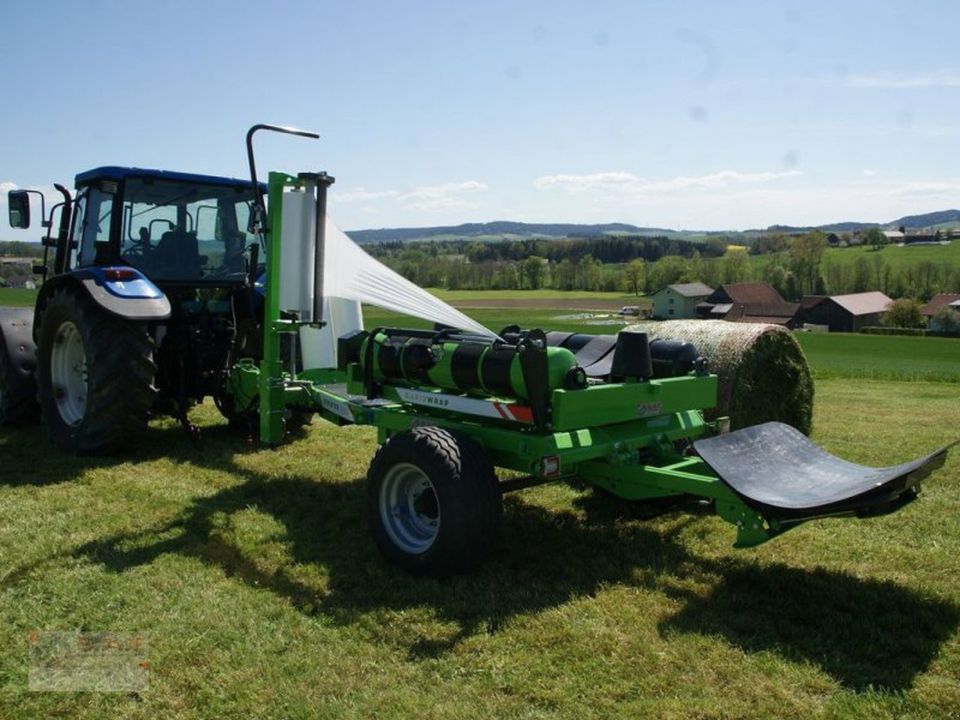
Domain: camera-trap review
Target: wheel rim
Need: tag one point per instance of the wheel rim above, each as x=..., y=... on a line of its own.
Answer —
x=68, y=373
x=409, y=509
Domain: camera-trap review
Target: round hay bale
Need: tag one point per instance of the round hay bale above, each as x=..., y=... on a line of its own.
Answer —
x=762, y=371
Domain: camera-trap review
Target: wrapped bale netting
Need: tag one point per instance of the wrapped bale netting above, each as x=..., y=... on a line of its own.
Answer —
x=762, y=371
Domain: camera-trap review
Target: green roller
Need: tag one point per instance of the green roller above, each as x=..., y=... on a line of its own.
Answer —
x=465, y=366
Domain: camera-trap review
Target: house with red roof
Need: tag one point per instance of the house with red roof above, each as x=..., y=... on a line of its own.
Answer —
x=940, y=301
x=756, y=302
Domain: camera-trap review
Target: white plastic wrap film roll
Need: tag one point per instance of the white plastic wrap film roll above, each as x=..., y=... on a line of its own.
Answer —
x=296, y=260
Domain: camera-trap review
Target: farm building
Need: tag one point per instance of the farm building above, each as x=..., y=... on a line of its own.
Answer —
x=923, y=238
x=756, y=302
x=679, y=301
x=21, y=281
x=940, y=301
x=845, y=313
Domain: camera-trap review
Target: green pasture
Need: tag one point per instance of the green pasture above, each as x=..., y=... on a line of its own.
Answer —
x=18, y=297
x=894, y=256
x=894, y=357
x=452, y=296
x=250, y=576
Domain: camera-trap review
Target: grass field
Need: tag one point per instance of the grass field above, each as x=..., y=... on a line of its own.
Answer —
x=18, y=297
x=897, y=257
x=893, y=256
x=453, y=296
x=251, y=576
x=893, y=357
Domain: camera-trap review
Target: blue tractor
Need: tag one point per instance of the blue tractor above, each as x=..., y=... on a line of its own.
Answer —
x=147, y=301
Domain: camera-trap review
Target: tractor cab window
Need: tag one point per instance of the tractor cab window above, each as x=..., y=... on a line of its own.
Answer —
x=92, y=226
x=184, y=231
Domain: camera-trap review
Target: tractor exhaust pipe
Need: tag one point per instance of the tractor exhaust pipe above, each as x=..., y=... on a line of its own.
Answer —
x=258, y=218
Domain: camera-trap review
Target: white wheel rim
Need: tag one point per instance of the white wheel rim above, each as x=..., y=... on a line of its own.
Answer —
x=68, y=373
x=409, y=510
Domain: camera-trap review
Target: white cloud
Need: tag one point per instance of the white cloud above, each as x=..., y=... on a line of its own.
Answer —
x=424, y=197
x=926, y=189
x=868, y=173
x=361, y=195
x=441, y=197
x=628, y=183
x=932, y=78
x=579, y=183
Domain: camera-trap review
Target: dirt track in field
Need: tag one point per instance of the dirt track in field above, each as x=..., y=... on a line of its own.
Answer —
x=542, y=303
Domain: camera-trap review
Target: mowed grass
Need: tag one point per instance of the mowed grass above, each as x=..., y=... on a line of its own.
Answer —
x=251, y=574
x=452, y=296
x=895, y=256
x=17, y=297
x=252, y=577
x=896, y=357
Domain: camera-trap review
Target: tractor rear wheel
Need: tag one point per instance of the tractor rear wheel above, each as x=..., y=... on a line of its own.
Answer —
x=95, y=374
x=18, y=394
x=433, y=502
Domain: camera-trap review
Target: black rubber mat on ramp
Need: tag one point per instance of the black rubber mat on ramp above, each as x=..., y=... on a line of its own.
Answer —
x=780, y=472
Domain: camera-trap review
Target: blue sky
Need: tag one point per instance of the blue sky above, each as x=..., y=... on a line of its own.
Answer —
x=719, y=115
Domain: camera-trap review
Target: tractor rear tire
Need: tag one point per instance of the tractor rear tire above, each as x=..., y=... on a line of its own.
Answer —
x=433, y=502
x=18, y=394
x=95, y=374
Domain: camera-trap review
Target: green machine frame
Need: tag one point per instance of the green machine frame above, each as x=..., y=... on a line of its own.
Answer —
x=622, y=437
x=638, y=436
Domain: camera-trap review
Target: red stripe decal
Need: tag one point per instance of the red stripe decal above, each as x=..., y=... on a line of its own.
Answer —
x=522, y=413
x=499, y=409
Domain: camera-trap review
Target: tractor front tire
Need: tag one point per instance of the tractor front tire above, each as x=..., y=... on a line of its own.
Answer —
x=18, y=394
x=433, y=502
x=95, y=374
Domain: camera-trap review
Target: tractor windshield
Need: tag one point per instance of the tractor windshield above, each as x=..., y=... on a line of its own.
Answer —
x=186, y=231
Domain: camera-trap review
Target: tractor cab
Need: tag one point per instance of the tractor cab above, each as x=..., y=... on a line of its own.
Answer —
x=175, y=228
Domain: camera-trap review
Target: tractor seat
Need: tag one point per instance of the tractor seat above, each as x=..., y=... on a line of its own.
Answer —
x=177, y=255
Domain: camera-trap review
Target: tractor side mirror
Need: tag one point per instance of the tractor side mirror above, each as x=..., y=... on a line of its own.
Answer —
x=19, y=206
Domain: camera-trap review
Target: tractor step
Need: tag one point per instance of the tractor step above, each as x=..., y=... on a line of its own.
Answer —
x=780, y=473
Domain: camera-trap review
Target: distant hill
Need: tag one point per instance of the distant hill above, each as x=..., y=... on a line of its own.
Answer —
x=502, y=228
x=507, y=230
x=927, y=220
x=938, y=218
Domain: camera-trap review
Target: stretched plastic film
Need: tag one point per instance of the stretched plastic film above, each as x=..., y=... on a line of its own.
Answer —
x=350, y=273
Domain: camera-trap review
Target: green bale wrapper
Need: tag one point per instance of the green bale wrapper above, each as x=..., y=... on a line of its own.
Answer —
x=763, y=373
x=468, y=366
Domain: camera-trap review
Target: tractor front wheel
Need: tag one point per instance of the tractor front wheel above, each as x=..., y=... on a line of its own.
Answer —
x=433, y=502
x=95, y=374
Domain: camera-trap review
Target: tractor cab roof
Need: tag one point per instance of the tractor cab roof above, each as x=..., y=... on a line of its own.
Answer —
x=113, y=172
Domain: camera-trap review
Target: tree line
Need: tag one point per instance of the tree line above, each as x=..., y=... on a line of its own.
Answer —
x=794, y=265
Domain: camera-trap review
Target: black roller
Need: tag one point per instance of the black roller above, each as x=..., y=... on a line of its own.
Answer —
x=631, y=356
x=671, y=358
